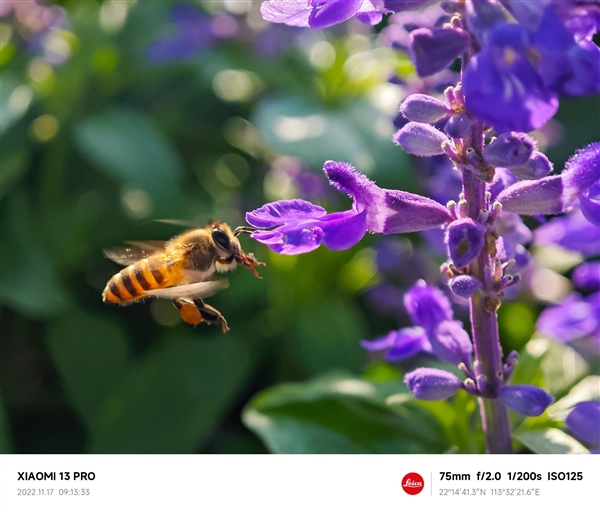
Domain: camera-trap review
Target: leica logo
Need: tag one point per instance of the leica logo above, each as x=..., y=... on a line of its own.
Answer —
x=412, y=483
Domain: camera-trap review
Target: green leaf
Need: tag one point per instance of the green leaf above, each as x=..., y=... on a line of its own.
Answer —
x=588, y=389
x=127, y=147
x=340, y=414
x=549, y=441
x=90, y=353
x=28, y=279
x=172, y=399
x=562, y=368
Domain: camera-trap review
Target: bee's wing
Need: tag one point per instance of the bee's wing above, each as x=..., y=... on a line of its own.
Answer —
x=138, y=250
x=200, y=290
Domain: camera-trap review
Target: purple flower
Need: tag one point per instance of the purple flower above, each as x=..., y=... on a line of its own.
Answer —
x=571, y=319
x=400, y=344
x=432, y=384
x=465, y=239
x=569, y=67
x=320, y=14
x=295, y=226
x=502, y=88
x=555, y=194
x=573, y=232
x=584, y=422
x=526, y=400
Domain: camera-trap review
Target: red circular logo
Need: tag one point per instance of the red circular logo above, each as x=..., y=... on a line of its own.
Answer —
x=412, y=483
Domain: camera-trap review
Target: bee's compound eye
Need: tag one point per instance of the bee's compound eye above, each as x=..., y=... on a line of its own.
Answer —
x=221, y=239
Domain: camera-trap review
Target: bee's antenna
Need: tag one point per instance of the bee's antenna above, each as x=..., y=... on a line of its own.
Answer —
x=243, y=229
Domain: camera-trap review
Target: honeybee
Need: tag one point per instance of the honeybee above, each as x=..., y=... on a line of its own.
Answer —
x=180, y=270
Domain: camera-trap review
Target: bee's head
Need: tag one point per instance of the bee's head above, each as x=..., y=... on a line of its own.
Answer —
x=225, y=241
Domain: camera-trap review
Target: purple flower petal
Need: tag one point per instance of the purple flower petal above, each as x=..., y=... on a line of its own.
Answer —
x=432, y=384
x=381, y=343
x=571, y=319
x=526, y=400
x=409, y=341
x=590, y=209
x=343, y=230
x=571, y=68
x=502, y=88
x=345, y=178
x=283, y=212
x=587, y=275
x=290, y=12
x=292, y=239
x=427, y=306
x=584, y=422
x=573, y=232
x=465, y=239
x=451, y=342
x=434, y=49
x=420, y=139
x=326, y=13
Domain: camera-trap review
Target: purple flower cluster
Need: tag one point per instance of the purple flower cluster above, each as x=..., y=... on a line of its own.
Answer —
x=437, y=332
x=516, y=59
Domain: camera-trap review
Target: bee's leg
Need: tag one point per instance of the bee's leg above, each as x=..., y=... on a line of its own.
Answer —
x=197, y=311
x=210, y=314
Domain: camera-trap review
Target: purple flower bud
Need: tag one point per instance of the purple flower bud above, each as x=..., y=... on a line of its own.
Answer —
x=458, y=126
x=427, y=306
x=464, y=285
x=434, y=49
x=555, y=194
x=584, y=422
x=465, y=239
x=587, y=275
x=535, y=168
x=420, y=139
x=423, y=108
x=526, y=400
x=509, y=149
x=432, y=384
x=451, y=342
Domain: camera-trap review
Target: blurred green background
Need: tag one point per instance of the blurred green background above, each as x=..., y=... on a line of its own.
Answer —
x=115, y=115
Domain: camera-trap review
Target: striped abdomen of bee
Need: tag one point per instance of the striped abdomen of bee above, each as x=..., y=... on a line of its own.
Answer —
x=133, y=282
